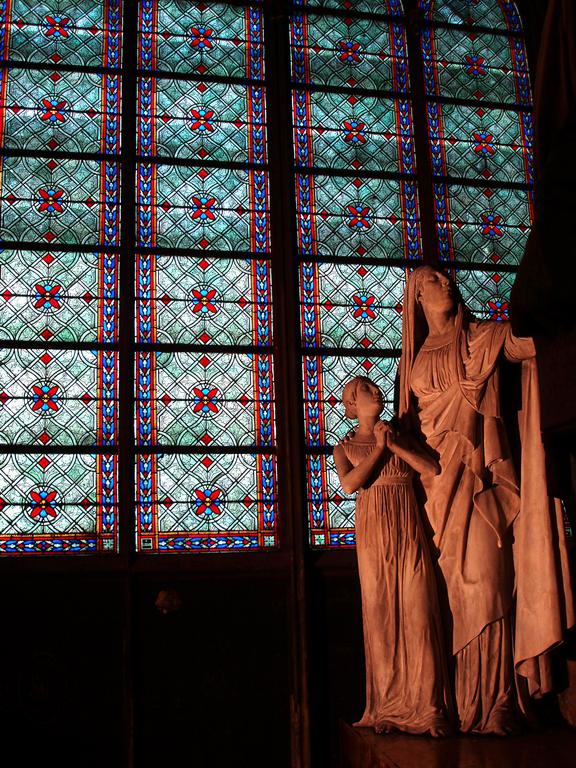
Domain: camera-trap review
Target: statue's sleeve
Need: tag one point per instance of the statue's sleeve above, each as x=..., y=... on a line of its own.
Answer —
x=518, y=348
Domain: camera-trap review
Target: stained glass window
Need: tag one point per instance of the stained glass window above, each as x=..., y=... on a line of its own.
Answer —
x=197, y=323
x=59, y=227
x=357, y=220
x=206, y=466
x=480, y=130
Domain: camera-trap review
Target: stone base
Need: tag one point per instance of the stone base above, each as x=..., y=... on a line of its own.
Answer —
x=362, y=748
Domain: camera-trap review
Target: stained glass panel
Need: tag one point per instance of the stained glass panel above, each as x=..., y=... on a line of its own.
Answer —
x=206, y=399
x=220, y=209
x=66, y=111
x=324, y=380
x=221, y=502
x=475, y=66
x=205, y=121
x=60, y=504
x=389, y=7
x=59, y=201
x=58, y=296
x=57, y=397
x=208, y=39
x=353, y=217
x=75, y=33
x=481, y=143
x=348, y=52
x=336, y=131
x=482, y=225
x=497, y=14
x=199, y=300
x=351, y=305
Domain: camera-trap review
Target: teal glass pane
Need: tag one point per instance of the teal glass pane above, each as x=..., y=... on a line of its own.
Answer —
x=205, y=121
x=63, y=111
x=59, y=504
x=484, y=13
x=331, y=513
x=487, y=294
x=57, y=397
x=478, y=66
x=351, y=305
x=482, y=225
x=324, y=380
x=59, y=201
x=75, y=33
x=481, y=143
x=207, y=209
x=345, y=52
x=207, y=399
x=55, y=296
x=355, y=217
x=206, y=502
x=389, y=7
x=338, y=131
x=193, y=300
x=209, y=39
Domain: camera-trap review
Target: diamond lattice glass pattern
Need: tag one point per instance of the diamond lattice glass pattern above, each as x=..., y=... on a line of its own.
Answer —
x=208, y=399
x=61, y=397
x=74, y=33
x=388, y=7
x=481, y=143
x=351, y=305
x=58, y=296
x=65, y=111
x=487, y=294
x=346, y=52
x=478, y=66
x=206, y=208
x=211, y=502
x=341, y=132
x=199, y=300
x=60, y=504
x=482, y=225
x=59, y=201
x=210, y=39
x=484, y=13
x=205, y=121
x=354, y=217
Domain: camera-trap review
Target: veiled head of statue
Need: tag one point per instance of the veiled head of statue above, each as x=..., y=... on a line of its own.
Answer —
x=434, y=290
x=361, y=393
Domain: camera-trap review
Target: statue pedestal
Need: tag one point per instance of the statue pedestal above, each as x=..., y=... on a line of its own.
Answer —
x=362, y=748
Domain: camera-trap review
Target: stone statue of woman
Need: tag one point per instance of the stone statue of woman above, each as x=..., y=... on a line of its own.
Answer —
x=500, y=543
x=406, y=682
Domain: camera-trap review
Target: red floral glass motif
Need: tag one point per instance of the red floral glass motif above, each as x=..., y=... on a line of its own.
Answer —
x=47, y=296
x=44, y=398
x=208, y=502
x=202, y=120
x=358, y=217
x=50, y=200
x=56, y=26
x=498, y=309
x=43, y=504
x=354, y=131
x=53, y=110
x=363, y=307
x=490, y=226
x=203, y=208
x=475, y=65
x=349, y=51
x=483, y=143
x=204, y=300
x=205, y=399
x=201, y=37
